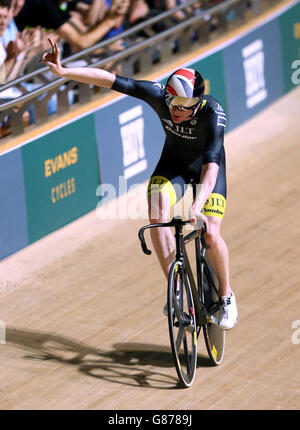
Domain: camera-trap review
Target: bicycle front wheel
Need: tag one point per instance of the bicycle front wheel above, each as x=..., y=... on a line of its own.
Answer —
x=182, y=324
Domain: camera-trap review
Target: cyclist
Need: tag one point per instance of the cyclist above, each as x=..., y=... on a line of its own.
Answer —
x=193, y=152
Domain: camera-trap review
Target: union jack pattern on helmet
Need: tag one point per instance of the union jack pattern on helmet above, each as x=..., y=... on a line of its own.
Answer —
x=185, y=83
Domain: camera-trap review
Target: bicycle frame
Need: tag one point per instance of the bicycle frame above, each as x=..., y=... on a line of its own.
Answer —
x=182, y=257
x=205, y=299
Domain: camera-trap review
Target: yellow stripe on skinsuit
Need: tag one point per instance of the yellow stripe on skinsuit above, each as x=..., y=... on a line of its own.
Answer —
x=215, y=205
x=160, y=184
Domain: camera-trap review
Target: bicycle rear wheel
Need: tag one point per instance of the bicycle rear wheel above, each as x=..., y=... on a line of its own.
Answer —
x=182, y=325
x=214, y=336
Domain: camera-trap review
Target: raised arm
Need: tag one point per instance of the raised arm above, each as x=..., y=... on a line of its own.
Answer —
x=87, y=75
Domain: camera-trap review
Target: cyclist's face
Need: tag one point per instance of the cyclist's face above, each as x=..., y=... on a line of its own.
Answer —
x=179, y=116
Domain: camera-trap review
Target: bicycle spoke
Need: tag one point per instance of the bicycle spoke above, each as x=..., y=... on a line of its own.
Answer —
x=179, y=338
x=188, y=364
x=175, y=304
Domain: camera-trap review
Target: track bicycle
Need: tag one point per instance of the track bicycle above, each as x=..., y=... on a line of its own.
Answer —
x=191, y=304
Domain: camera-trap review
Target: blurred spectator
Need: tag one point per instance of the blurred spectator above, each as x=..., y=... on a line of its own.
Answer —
x=138, y=11
x=90, y=11
x=17, y=49
x=20, y=47
x=10, y=33
x=93, y=11
x=5, y=57
x=7, y=61
x=48, y=14
x=141, y=10
x=182, y=14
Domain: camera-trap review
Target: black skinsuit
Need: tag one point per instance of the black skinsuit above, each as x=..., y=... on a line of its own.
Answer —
x=188, y=145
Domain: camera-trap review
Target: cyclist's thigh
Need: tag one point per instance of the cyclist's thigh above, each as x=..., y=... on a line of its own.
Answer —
x=216, y=203
x=166, y=180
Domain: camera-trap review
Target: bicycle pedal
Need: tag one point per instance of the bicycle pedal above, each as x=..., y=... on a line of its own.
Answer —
x=212, y=319
x=186, y=321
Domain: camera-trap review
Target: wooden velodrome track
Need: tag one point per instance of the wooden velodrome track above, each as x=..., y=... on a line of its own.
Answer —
x=83, y=306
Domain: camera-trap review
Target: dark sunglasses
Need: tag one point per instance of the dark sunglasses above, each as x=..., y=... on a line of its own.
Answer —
x=180, y=107
x=184, y=108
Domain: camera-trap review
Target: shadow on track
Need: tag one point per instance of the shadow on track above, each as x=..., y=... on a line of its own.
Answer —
x=125, y=364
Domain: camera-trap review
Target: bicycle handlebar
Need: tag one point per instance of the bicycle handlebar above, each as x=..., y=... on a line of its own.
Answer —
x=175, y=221
x=142, y=238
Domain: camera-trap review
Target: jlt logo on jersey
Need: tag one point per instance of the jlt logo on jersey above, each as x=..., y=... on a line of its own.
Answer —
x=221, y=120
x=132, y=134
x=254, y=60
x=179, y=130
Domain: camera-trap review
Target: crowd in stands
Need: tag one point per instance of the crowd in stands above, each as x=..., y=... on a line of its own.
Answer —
x=26, y=25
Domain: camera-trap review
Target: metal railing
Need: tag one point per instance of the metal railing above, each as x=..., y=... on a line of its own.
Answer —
x=147, y=44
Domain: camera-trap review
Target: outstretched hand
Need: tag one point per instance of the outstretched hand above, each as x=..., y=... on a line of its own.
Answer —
x=52, y=59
